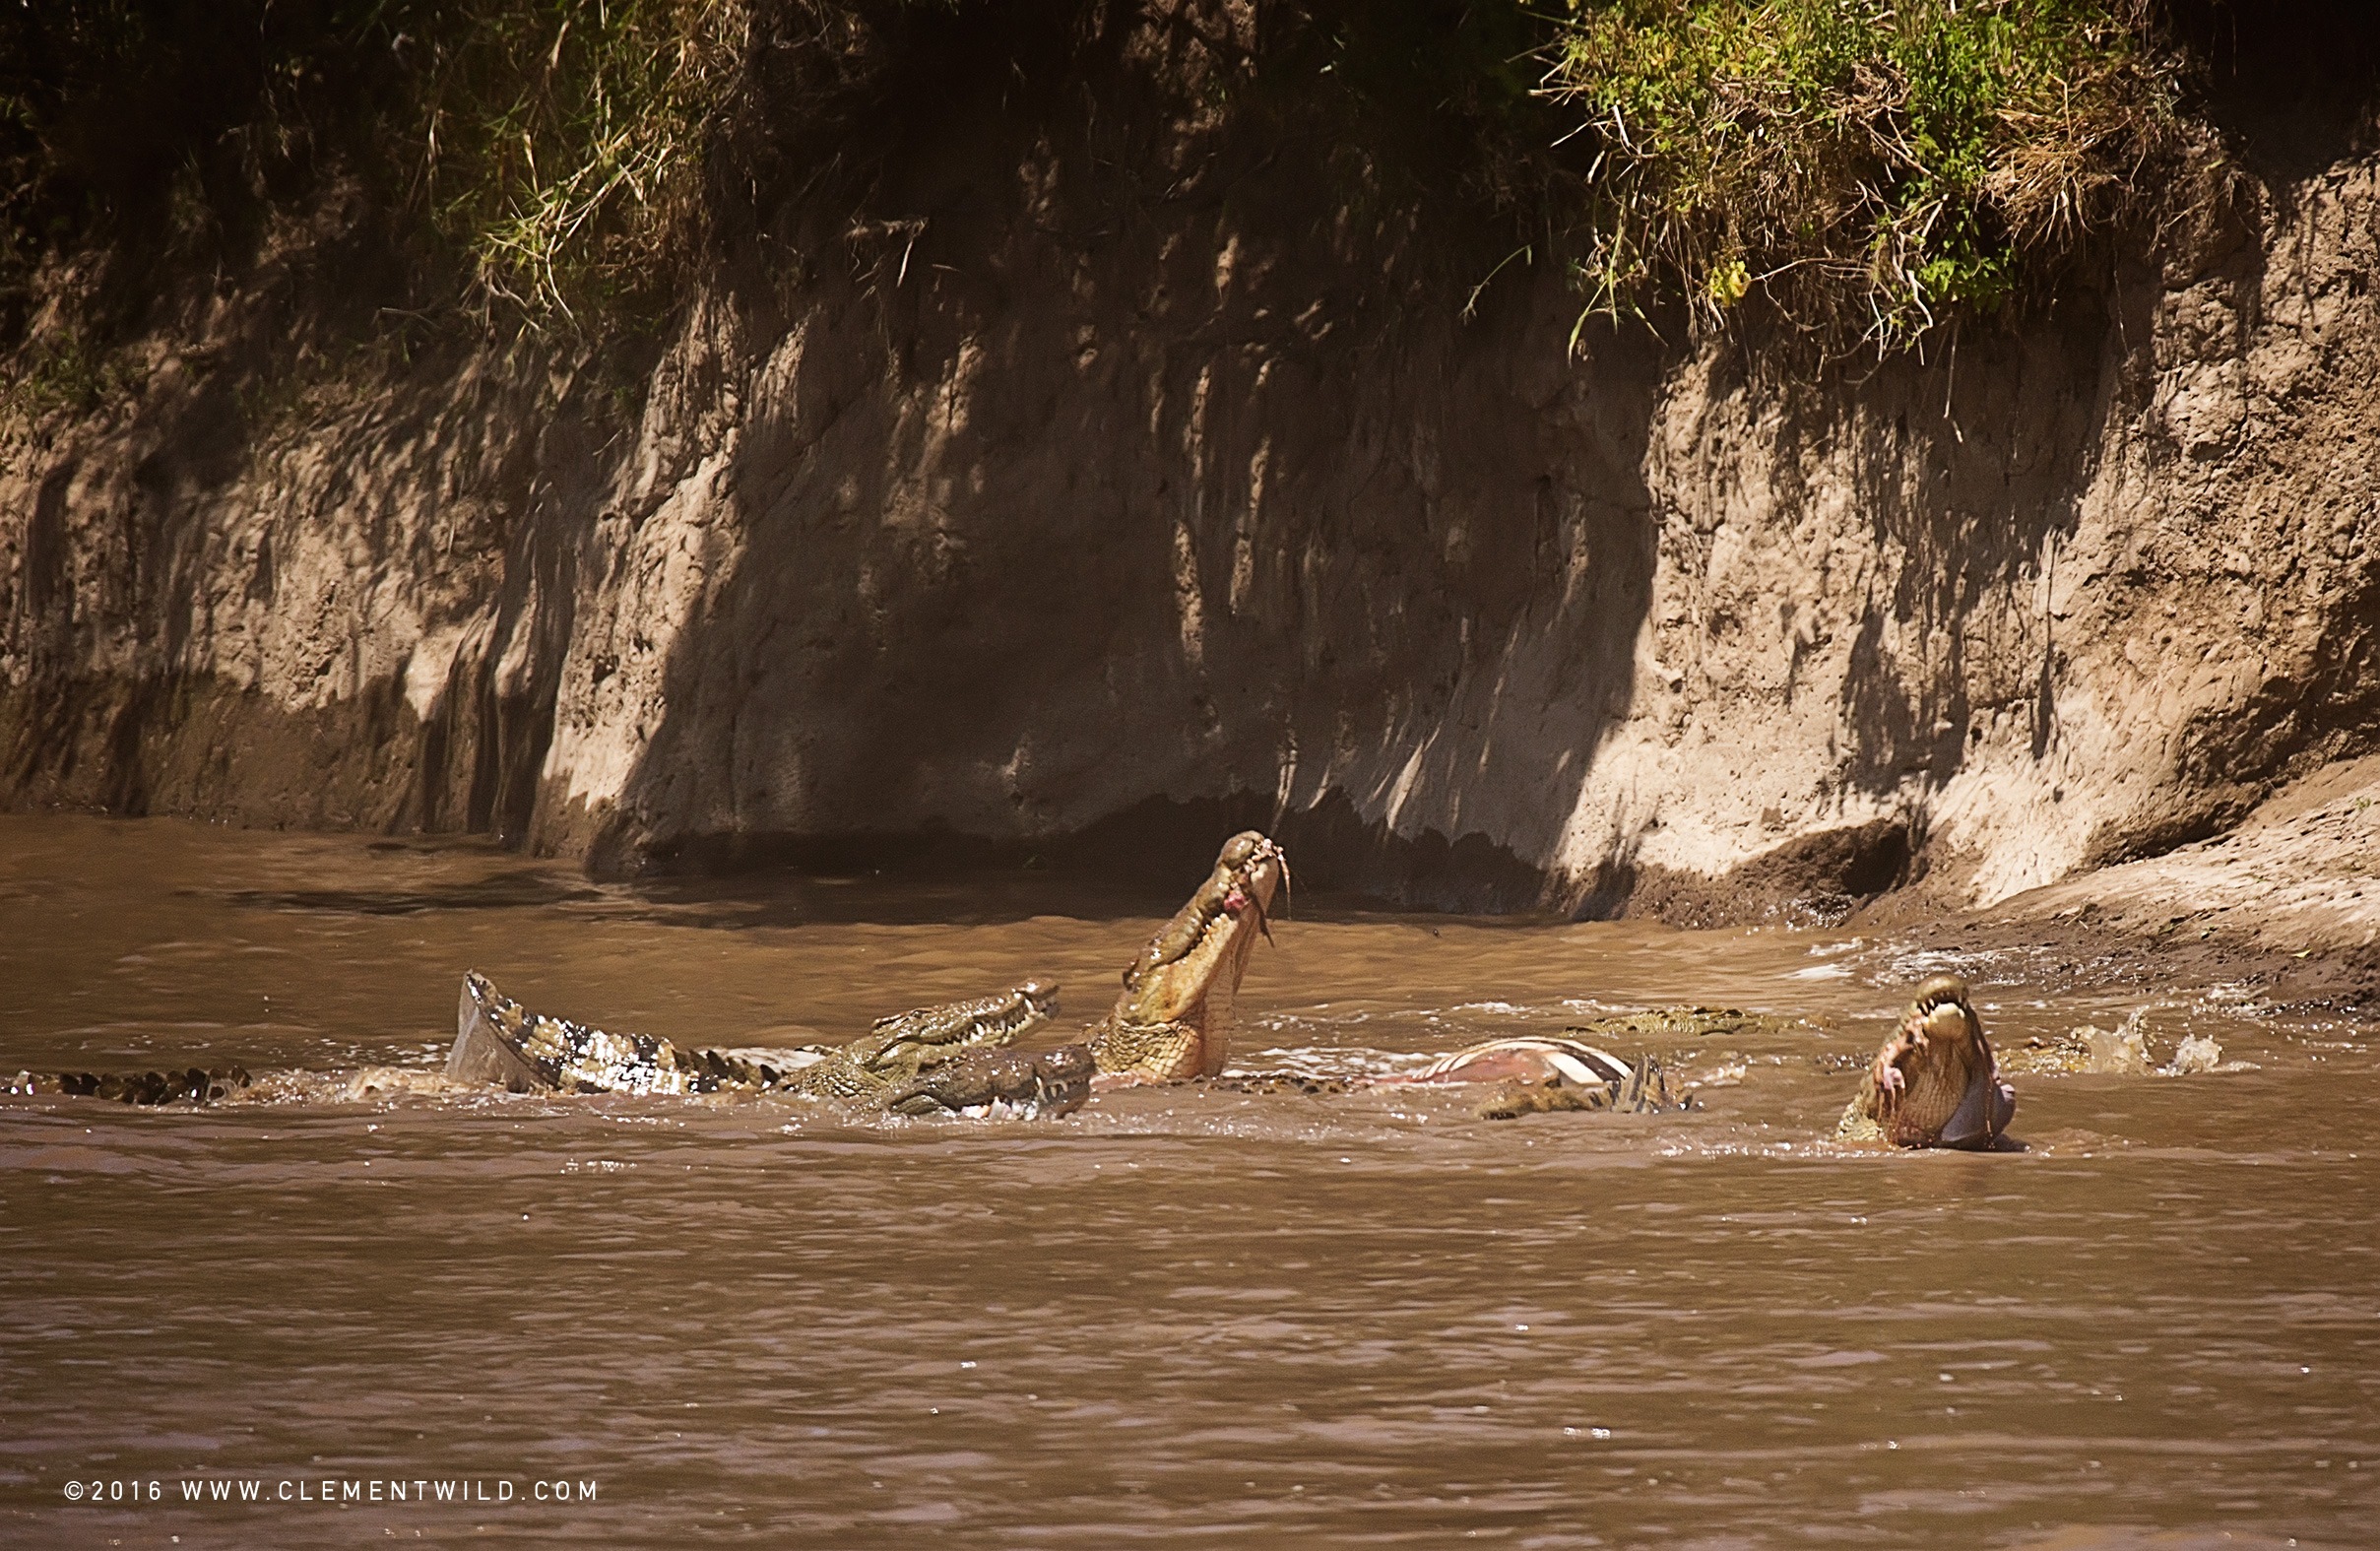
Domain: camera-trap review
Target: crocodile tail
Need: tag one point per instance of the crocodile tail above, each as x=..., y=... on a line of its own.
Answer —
x=189, y=1085
x=500, y=1042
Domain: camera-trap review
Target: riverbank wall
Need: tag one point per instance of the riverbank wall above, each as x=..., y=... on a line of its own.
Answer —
x=1109, y=475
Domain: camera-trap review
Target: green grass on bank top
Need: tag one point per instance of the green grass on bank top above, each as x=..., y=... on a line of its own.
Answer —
x=1864, y=167
x=1885, y=162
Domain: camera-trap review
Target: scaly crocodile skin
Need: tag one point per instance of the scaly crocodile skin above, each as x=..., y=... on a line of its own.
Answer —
x=892, y=1054
x=1001, y=1084
x=556, y=1054
x=500, y=1041
x=190, y=1085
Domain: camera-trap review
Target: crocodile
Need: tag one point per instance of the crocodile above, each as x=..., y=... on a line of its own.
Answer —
x=897, y=1050
x=987, y=1082
x=500, y=1042
x=1935, y=1083
x=1670, y=1023
x=1172, y=1019
x=2121, y=1051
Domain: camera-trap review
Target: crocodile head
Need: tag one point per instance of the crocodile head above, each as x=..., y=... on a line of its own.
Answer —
x=984, y=1081
x=1935, y=1083
x=895, y=1050
x=1172, y=1019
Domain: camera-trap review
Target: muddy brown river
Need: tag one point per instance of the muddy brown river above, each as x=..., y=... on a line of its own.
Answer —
x=1181, y=1316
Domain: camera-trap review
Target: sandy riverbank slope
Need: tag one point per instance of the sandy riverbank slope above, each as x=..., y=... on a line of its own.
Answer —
x=2285, y=906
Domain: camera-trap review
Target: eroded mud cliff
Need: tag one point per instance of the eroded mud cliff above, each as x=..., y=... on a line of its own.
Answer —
x=1100, y=465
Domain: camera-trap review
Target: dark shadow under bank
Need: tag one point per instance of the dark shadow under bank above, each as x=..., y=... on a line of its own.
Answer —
x=1140, y=861
x=1148, y=854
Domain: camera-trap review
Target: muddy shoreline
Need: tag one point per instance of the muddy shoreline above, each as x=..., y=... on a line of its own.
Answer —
x=2282, y=908
x=2074, y=954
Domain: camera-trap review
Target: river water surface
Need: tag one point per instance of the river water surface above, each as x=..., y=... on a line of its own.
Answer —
x=1182, y=1316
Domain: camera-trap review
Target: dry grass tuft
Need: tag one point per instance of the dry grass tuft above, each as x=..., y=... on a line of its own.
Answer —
x=561, y=145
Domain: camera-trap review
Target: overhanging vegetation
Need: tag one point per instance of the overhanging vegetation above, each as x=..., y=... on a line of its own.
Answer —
x=1861, y=168
x=1887, y=161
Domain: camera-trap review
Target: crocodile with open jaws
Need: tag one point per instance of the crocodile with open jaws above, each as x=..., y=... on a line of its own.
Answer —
x=1935, y=1083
